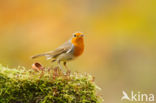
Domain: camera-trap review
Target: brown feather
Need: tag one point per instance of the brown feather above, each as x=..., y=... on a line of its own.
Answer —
x=54, y=54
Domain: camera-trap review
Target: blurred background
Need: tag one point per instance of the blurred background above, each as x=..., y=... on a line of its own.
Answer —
x=120, y=39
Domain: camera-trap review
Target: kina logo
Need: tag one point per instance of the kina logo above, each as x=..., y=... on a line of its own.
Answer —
x=137, y=97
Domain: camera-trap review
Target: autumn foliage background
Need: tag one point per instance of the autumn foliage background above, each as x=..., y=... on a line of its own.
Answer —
x=120, y=38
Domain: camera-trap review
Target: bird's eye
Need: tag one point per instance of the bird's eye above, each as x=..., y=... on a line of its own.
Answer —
x=74, y=35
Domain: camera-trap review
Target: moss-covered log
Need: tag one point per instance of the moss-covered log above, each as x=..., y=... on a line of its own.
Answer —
x=48, y=86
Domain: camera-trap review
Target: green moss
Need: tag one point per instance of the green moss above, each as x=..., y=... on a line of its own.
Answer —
x=27, y=86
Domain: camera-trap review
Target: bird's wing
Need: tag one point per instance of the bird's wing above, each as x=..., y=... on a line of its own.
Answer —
x=66, y=47
x=62, y=49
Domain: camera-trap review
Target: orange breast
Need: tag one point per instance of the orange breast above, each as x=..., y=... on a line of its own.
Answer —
x=78, y=47
x=78, y=50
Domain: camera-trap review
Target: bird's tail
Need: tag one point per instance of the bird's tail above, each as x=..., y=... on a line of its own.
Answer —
x=47, y=55
x=36, y=56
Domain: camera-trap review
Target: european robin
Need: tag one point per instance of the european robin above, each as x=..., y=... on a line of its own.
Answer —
x=66, y=52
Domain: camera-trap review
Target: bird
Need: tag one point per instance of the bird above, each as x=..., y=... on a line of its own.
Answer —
x=68, y=51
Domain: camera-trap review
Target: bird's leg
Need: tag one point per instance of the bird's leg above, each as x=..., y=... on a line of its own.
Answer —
x=59, y=64
x=65, y=64
x=60, y=67
x=68, y=71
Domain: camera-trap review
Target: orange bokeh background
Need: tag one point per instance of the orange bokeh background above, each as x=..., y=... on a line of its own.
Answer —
x=120, y=38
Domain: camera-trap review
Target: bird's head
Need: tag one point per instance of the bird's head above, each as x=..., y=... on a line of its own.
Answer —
x=77, y=37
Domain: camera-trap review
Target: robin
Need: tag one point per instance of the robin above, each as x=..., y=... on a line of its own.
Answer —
x=66, y=52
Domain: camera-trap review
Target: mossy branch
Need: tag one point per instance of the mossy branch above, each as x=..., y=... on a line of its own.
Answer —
x=27, y=86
